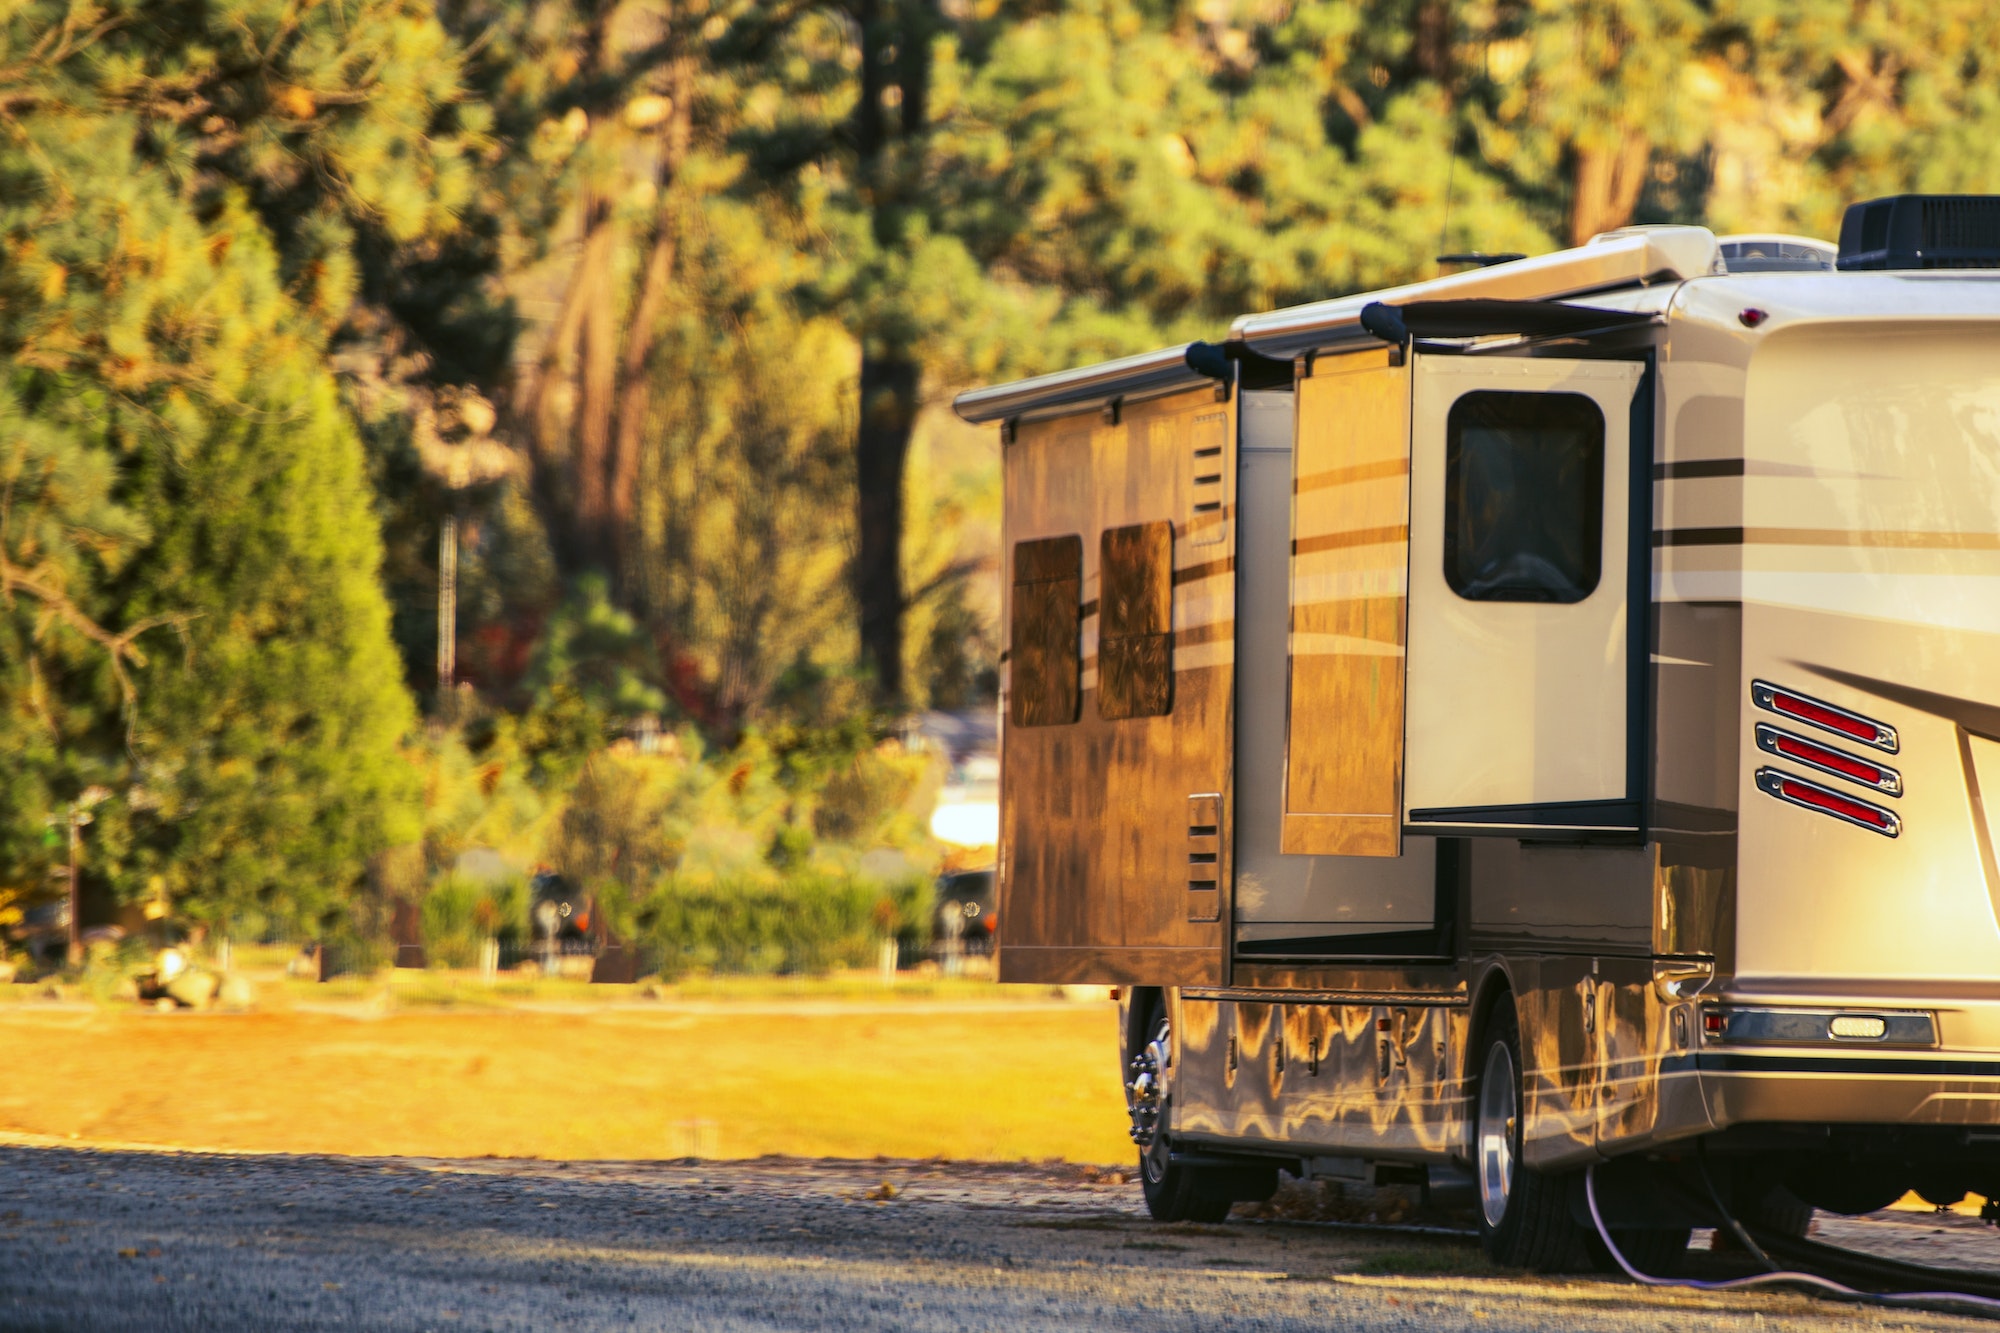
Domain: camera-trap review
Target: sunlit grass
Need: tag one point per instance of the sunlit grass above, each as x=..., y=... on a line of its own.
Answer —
x=372, y=1073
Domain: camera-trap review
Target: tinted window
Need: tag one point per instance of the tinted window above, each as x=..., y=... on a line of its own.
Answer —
x=1524, y=497
x=1045, y=666
x=1135, y=645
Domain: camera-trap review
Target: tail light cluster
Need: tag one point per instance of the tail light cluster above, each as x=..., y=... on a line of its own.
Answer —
x=1823, y=758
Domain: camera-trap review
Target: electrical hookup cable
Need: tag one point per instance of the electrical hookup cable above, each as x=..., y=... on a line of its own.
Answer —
x=1777, y=1277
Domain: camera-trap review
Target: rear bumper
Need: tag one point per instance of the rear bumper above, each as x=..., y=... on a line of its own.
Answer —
x=1818, y=1087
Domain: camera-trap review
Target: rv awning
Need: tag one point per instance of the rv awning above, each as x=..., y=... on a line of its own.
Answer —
x=1480, y=318
x=1150, y=374
x=1132, y=379
x=1613, y=262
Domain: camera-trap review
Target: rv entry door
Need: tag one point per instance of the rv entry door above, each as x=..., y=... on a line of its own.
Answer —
x=1523, y=709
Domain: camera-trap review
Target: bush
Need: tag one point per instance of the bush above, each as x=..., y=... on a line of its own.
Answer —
x=459, y=913
x=802, y=924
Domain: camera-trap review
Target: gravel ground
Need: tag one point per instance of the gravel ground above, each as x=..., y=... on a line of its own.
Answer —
x=161, y=1241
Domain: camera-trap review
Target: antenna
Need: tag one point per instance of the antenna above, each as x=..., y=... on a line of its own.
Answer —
x=1450, y=173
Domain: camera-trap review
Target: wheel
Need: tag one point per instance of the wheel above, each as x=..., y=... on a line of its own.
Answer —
x=1173, y=1193
x=1524, y=1219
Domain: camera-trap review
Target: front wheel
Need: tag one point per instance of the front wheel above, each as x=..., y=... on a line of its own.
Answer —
x=1173, y=1193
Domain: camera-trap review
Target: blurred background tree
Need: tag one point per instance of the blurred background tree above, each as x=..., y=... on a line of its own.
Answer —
x=660, y=303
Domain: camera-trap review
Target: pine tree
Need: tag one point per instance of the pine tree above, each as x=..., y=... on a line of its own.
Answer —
x=187, y=188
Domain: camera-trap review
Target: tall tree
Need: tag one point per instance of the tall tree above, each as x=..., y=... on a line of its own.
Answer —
x=186, y=187
x=888, y=131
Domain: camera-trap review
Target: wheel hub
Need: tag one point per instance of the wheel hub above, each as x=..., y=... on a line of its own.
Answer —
x=1146, y=1094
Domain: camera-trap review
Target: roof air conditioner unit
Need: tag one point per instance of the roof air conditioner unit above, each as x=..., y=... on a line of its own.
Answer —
x=1911, y=231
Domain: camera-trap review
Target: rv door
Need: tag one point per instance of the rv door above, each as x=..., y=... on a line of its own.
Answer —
x=1527, y=603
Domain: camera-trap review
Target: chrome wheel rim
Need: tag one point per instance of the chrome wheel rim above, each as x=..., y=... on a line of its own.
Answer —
x=1146, y=1100
x=1497, y=1116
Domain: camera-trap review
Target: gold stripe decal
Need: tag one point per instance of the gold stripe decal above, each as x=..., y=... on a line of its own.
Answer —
x=1195, y=573
x=1346, y=476
x=1335, y=541
x=1933, y=541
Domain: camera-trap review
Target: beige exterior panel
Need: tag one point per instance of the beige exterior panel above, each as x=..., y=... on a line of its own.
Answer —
x=1515, y=703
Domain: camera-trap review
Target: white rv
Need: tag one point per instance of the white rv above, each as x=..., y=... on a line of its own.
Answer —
x=1541, y=717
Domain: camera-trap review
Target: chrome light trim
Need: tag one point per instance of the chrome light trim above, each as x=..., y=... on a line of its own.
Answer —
x=1774, y=781
x=1758, y=1026
x=1889, y=784
x=1762, y=694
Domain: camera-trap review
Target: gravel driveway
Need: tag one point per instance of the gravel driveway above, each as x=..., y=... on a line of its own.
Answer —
x=159, y=1242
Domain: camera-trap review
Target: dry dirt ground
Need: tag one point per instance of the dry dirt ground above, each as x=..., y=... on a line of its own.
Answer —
x=159, y=1242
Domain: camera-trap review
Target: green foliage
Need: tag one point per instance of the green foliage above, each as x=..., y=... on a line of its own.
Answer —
x=266, y=761
x=460, y=914
x=802, y=924
x=744, y=532
x=283, y=284
x=1174, y=169
x=595, y=652
x=193, y=616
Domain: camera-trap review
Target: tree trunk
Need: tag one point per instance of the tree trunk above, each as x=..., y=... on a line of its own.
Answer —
x=1606, y=182
x=635, y=393
x=577, y=340
x=895, y=47
x=1430, y=46
x=888, y=416
x=597, y=399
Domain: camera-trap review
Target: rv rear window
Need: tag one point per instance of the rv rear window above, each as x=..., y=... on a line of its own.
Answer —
x=1135, y=644
x=1524, y=497
x=1045, y=663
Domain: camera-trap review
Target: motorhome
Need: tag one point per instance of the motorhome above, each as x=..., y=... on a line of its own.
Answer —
x=1541, y=718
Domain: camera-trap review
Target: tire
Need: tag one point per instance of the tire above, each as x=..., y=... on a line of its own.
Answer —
x=1173, y=1193
x=1524, y=1219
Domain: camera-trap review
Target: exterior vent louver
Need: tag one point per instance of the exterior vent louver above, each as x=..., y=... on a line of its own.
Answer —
x=1922, y=231
x=1204, y=857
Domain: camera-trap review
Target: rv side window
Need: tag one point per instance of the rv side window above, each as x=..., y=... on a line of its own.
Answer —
x=1135, y=646
x=1524, y=497
x=1046, y=672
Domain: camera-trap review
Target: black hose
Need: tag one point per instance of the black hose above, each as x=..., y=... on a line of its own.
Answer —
x=1722, y=1211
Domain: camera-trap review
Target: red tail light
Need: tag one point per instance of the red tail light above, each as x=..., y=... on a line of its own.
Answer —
x=1821, y=714
x=1882, y=778
x=1798, y=791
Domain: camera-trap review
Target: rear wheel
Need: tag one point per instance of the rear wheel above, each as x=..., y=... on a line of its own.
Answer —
x=1173, y=1193
x=1524, y=1218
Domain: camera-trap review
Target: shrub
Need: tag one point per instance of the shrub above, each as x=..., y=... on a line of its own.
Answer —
x=805, y=923
x=459, y=913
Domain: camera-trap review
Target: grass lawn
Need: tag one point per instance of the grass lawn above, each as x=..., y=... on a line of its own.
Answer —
x=834, y=1076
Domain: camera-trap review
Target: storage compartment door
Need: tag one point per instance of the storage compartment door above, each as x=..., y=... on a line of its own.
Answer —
x=1350, y=559
x=1117, y=728
x=1521, y=662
